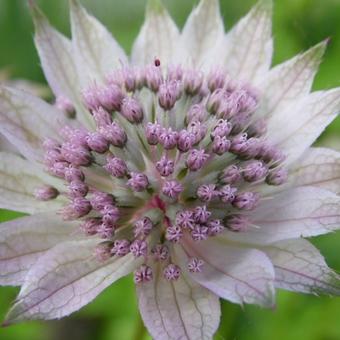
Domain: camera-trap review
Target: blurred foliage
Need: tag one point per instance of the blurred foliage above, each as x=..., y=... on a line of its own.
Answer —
x=298, y=24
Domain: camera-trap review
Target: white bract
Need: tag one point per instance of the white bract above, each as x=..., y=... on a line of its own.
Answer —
x=189, y=164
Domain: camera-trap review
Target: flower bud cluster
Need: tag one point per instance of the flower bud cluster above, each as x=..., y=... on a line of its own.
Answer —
x=195, y=140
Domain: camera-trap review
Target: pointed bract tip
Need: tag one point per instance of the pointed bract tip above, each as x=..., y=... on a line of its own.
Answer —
x=36, y=12
x=76, y=8
x=208, y=5
x=154, y=6
x=74, y=3
x=317, y=51
x=273, y=307
x=5, y=324
x=328, y=41
x=265, y=4
x=32, y=5
x=208, y=2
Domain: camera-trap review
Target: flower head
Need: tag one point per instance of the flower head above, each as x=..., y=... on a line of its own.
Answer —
x=197, y=177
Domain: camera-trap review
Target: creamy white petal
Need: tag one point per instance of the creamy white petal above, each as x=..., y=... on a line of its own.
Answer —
x=292, y=79
x=297, y=127
x=5, y=145
x=18, y=180
x=248, y=48
x=58, y=62
x=97, y=53
x=239, y=275
x=319, y=167
x=300, y=212
x=158, y=37
x=201, y=35
x=26, y=120
x=64, y=279
x=177, y=310
x=300, y=267
x=24, y=240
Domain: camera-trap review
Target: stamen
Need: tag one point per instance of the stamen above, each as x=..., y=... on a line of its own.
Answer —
x=277, y=177
x=160, y=252
x=143, y=274
x=103, y=251
x=121, y=247
x=115, y=166
x=246, y=200
x=200, y=232
x=152, y=132
x=195, y=265
x=220, y=145
x=165, y=166
x=201, y=214
x=174, y=233
x=172, y=272
x=132, y=110
x=168, y=138
x=143, y=227
x=185, y=219
x=207, y=192
x=114, y=134
x=230, y=175
x=215, y=227
x=64, y=104
x=172, y=189
x=237, y=223
x=196, y=159
x=138, y=181
x=193, y=82
x=46, y=193
x=138, y=248
x=185, y=140
x=227, y=194
x=78, y=189
x=96, y=142
x=110, y=97
x=90, y=226
x=254, y=171
x=100, y=200
x=169, y=92
x=77, y=208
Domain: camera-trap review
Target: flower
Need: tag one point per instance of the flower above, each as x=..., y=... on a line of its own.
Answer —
x=189, y=164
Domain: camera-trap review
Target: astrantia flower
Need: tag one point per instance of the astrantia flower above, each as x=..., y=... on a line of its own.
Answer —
x=188, y=164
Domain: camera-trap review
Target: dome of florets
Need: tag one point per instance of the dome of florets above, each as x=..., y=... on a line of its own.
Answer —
x=188, y=162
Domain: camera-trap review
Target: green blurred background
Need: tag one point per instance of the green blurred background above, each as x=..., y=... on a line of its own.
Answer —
x=298, y=24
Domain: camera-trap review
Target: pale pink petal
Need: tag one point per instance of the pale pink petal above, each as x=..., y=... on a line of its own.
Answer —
x=97, y=53
x=178, y=309
x=285, y=83
x=35, y=88
x=64, y=279
x=201, y=35
x=26, y=120
x=248, y=48
x=300, y=212
x=18, y=180
x=296, y=128
x=319, y=167
x=239, y=275
x=24, y=240
x=300, y=267
x=58, y=62
x=158, y=37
